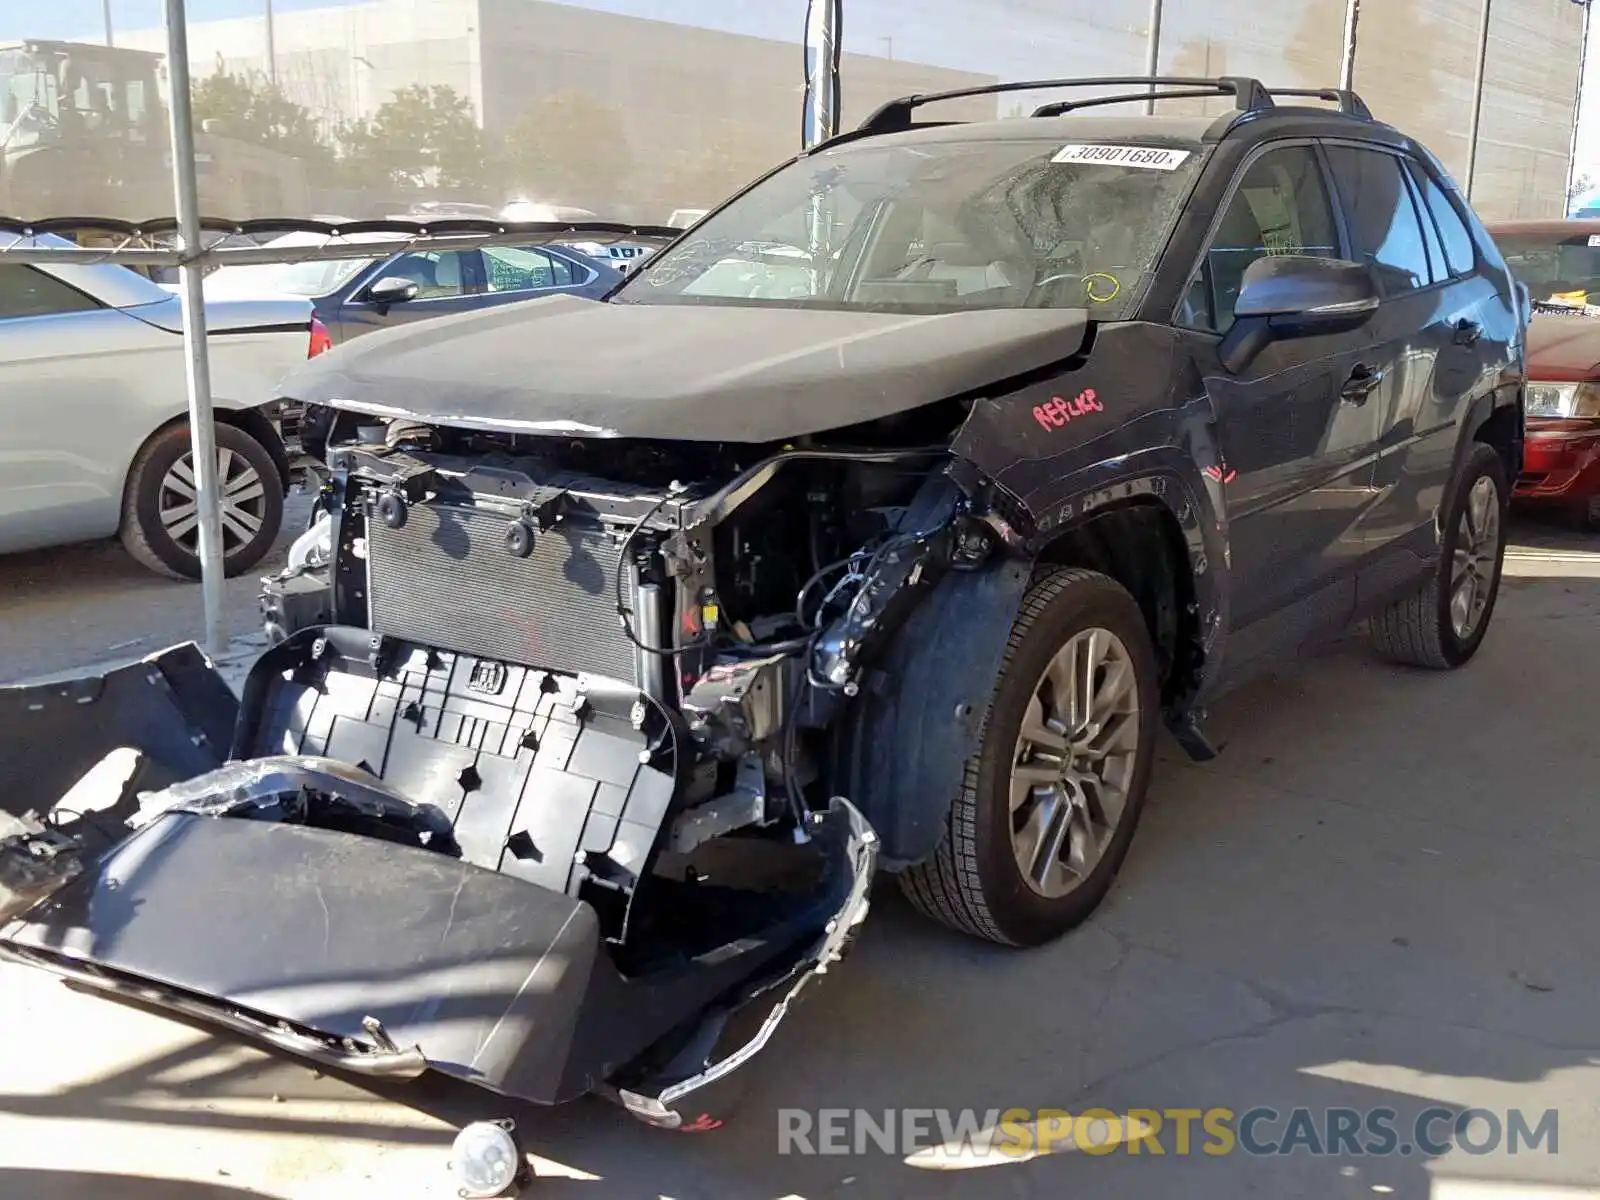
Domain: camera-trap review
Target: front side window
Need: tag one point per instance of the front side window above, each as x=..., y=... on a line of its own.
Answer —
x=1459, y=253
x=437, y=274
x=1385, y=228
x=1281, y=207
x=935, y=227
x=27, y=292
x=1559, y=268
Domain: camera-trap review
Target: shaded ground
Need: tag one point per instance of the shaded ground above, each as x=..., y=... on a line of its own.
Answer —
x=62, y=608
x=1381, y=895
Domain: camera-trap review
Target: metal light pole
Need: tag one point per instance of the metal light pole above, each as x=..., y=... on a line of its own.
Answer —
x=1577, y=105
x=105, y=8
x=202, y=427
x=1477, y=95
x=272, y=46
x=1347, y=61
x=1152, y=54
x=824, y=26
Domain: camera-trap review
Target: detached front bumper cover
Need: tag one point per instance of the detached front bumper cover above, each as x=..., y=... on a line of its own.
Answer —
x=331, y=913
x=841, y=823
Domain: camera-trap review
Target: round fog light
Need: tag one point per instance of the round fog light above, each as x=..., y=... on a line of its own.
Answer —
x=485, y=1158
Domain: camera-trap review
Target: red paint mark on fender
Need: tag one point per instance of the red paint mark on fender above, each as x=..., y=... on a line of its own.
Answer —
x=1057, y=412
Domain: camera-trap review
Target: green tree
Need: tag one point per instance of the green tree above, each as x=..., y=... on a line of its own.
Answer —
x=252, y=109
x=569, y=148
x=730, y=155
x=423, y=137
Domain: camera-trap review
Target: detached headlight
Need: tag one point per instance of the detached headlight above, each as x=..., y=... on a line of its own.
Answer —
x=1563, y=400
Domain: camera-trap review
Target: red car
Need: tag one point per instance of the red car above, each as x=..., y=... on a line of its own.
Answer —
x=1559, y=261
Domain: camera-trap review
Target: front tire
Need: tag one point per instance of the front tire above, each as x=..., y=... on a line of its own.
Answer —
x=1051, y=800
x=1441, y=626
x=160, y=521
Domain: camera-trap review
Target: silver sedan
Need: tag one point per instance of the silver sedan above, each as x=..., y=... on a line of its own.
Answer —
x=94, y=437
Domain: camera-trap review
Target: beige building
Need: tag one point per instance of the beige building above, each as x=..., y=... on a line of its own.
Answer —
x=638, y=115
x=668, y=113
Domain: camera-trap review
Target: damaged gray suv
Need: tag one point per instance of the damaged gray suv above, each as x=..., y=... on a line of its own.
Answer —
x=881, y=522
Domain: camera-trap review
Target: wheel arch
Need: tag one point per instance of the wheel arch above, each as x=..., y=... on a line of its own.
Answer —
x=1496, y=420
x=937, y=703
x=1139, y=542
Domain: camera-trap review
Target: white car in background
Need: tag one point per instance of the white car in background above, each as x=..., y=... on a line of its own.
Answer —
x=94, y=440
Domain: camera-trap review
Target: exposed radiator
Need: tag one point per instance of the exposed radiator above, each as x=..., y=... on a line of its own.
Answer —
x=446, y=579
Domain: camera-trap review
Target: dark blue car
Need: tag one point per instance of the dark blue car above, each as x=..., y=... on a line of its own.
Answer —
x=353, y=296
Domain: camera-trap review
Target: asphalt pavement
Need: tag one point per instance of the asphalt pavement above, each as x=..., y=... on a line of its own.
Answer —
x=1379, y=898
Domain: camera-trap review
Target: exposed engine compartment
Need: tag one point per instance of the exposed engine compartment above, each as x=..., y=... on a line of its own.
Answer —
x=741, y=591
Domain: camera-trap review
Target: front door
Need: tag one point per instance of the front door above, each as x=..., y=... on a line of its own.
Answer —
x=444, y=280
x=74, y=376
x=1295, y=433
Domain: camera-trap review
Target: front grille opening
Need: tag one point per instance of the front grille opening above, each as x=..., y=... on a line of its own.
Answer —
x=446, y=578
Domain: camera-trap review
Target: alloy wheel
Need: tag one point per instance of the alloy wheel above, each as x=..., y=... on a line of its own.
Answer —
x=243, y=505
x=1475, y=558
x=1074, y=762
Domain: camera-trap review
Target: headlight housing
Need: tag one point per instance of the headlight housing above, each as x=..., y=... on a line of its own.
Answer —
x=1563, y=400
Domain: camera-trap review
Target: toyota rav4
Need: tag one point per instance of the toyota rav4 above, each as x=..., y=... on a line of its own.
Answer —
x=882, y=521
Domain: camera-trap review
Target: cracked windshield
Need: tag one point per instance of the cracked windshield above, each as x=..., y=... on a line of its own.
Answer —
x=940, y=226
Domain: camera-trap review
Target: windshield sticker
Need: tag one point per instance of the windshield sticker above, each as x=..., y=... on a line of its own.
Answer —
x=1056, y=412
x=1565, y=308
x=1149, y=158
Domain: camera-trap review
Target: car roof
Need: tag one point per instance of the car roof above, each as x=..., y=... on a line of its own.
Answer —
x=112, y=285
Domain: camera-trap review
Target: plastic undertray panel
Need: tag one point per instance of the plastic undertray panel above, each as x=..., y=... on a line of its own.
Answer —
x=533, y=774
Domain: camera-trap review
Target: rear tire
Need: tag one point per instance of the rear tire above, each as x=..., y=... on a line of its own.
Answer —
x=1426, y=629
x=1072, y=826
x=159, y=527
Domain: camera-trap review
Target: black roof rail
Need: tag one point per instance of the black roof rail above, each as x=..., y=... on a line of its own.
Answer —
x=1349, y=103
x=1249, y=95
x=1062, y=107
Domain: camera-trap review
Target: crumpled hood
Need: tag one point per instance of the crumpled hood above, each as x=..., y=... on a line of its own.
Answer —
x=688, y=372
x=1564, y=348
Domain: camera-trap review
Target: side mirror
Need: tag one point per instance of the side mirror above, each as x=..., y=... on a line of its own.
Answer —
x=395, y=289
x=1295, y=296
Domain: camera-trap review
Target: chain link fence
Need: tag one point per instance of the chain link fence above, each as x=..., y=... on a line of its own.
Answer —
x=651, y=110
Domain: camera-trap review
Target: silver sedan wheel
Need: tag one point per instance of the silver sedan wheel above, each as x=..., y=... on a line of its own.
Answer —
x=1074, y=762
x=1476, y=556
x=243, y=502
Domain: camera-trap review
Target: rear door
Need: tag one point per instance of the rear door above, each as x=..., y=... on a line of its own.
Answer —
x=1429, y=340
x=1295, y=458
x=74, y=381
